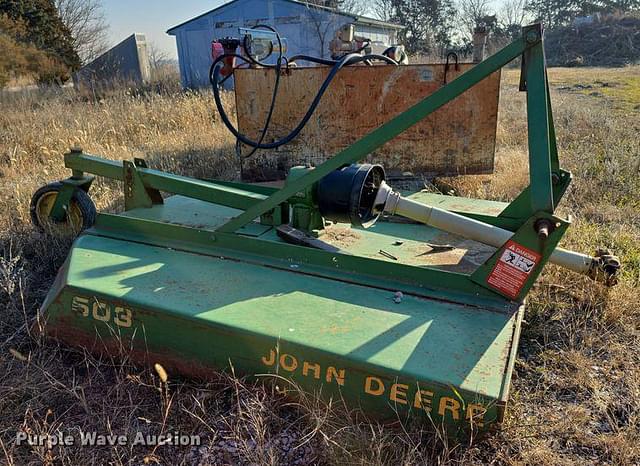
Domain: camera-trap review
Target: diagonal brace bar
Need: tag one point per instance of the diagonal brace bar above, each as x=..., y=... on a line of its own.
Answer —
x=386, y=132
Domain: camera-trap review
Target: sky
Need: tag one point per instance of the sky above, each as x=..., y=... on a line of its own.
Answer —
x=153, y=18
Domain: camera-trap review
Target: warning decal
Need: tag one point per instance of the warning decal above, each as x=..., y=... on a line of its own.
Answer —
x=513, y=268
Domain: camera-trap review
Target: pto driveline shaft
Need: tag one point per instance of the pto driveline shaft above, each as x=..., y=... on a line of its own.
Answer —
x=484, y=233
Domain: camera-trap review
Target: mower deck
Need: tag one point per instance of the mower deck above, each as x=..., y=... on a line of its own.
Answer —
x=197, y=309
x=397, y=319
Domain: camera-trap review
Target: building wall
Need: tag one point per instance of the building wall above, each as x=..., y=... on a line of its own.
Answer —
x=307, y=31
x=376, y=34
x=127, y=61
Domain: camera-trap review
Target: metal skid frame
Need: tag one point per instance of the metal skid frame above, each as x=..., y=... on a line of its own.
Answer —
x=548, y=183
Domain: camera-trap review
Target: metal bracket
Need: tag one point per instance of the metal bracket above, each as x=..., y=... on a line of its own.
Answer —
x=63, y=199
x=532, y=34
x=61, y=206
x=136, y=194
x=520, y=207
x=528, y=237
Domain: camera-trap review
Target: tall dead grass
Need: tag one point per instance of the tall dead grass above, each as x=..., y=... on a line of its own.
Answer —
x=177, y=132
x=576, y=391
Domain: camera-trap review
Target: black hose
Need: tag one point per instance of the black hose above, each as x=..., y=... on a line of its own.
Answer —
x=320, y=61
x=345, y=61
x=383, y=58
x=267, y=122
x=337, y=65
x=328, y=62
x=277, y=68
x=218, y=60
x=213, y=78
x=215, y=83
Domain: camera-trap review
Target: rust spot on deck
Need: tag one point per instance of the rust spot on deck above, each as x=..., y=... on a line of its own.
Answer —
x=340, y=236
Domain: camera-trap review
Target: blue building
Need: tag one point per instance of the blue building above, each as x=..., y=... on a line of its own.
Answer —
x=308, y=29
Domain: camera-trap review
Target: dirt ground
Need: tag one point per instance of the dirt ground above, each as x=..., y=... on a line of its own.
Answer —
x=576, y=390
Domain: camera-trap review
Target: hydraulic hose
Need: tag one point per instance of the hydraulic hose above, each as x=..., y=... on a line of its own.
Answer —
x=329, y=62
x=277, y=67
x=320, y=61
x=347, y=60
x=250, y=59
x=337, y=65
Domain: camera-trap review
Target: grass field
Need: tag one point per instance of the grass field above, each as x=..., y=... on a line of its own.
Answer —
x=576, y=388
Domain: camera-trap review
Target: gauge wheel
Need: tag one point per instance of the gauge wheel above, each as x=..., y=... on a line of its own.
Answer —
x=81, y=213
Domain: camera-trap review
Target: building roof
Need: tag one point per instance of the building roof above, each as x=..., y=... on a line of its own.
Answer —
x=358, y=18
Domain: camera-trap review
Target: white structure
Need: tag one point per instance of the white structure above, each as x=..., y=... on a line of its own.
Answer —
x=127, y=61
x=308, y=29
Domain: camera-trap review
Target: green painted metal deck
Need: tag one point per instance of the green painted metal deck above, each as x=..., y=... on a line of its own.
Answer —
x=448, y=359
x=386, y=236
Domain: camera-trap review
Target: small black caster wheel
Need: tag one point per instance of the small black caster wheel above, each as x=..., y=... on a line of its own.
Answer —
x=80, y=215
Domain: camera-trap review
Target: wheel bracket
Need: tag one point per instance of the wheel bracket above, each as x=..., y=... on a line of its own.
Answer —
x=60, y=207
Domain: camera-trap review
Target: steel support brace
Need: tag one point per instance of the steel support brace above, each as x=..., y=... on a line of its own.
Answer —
x=388, y=131
x=136, y=194
x=61, y=204
x=538, y=123
x=63, y=199
x=522, y=208
x=166, y=182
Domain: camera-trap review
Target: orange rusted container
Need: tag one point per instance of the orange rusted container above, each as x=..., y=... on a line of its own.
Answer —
x=459, y=138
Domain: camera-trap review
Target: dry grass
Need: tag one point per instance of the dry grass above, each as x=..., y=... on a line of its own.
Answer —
x=576, y=392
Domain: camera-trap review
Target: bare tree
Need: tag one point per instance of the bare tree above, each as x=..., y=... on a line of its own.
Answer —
x=382, y=9
x=471, y=13
x=157, y=57
x=514, y=13
x=356, y=7
x=322, y=25
x=429, y=24
x=324, y=22
x=86, y=21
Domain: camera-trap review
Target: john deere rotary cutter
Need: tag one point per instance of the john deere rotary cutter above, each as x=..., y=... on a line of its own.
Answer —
x=319, y=281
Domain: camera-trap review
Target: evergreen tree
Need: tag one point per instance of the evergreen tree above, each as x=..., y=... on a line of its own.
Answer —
x=46, y=30
x=429, y=23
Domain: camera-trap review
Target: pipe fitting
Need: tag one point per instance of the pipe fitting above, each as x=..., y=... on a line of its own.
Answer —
x=605, y=267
